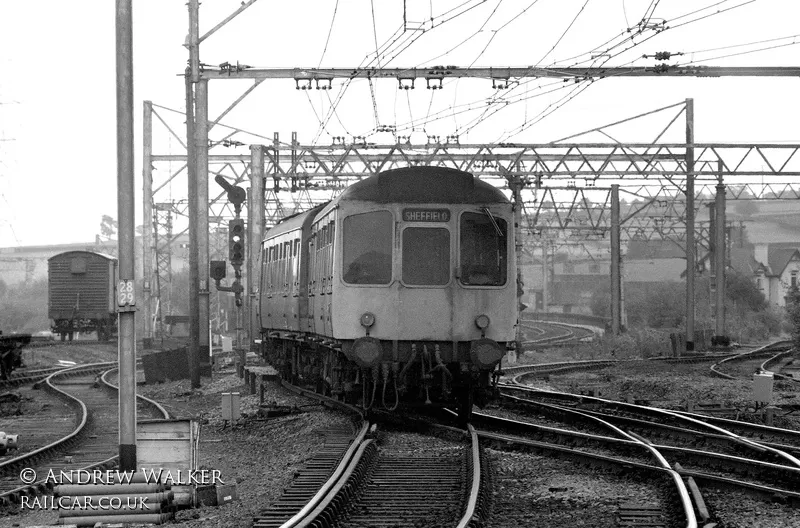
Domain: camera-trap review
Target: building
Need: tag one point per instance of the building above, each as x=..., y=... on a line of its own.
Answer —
x=775, y=270
x=26, y=264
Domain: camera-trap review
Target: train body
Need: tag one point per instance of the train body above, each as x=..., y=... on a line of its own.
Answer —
x=402, y=288
x=82, y=294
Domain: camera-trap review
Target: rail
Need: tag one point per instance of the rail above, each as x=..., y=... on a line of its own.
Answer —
x=41, y=486
x=471, y=515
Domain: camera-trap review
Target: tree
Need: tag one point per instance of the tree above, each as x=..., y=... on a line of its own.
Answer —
x=108, y=227
x=793, y=312
x=746, y=208
x=740, y=289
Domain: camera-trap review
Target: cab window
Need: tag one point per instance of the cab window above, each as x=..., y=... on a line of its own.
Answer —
x=484, y=252
x=367, y=248
x=426, y=256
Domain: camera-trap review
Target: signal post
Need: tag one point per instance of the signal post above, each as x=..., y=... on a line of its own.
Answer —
x=236, y=254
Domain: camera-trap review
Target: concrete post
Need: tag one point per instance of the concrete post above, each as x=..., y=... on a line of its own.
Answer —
x=127, y=229
x=690, y=253
x=545, y=274
x=255, y=233
x=616, y=291
x=194, y=286
x=192, y=75
x=719, y=260
x=147, y=219
x=201, y=171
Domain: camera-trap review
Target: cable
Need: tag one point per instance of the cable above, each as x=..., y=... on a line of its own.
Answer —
x=313, y=109
x=740, y=53
x=474, y=34
x=699, y=10
x=377, y=58
x=741, y=45
x=327, y=40
x=564, y=33
x=625, y=14
x=711, y=14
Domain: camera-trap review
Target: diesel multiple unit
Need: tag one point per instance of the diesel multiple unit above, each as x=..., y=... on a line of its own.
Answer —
x=403, y=288
x=81, y=294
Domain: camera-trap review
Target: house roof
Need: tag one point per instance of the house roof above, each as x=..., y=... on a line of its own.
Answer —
x=779, y=258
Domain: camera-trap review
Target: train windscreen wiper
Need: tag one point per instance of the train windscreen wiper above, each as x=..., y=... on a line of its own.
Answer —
x=494, y=222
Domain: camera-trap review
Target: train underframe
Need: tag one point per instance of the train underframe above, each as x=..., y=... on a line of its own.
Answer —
x=422, y=379
x=67, y=328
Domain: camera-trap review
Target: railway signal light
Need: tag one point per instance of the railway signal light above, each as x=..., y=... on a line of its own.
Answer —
x=236, y=241
x=217, y=269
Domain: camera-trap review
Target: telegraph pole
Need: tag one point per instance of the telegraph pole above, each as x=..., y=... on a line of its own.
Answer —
x=125, y=204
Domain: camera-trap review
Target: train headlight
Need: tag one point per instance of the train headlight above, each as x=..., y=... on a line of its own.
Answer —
x=482, y=322
x=367, y=319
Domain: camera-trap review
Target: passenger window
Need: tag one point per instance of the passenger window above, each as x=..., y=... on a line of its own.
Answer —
x=367, y=251
x=483, y=249
x=426, y=256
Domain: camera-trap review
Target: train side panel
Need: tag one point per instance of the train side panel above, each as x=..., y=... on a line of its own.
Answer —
x=285, y=275
x=321, y=243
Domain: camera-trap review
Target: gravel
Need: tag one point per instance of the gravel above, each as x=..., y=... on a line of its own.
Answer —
x=259, y=456
x=533, y=490
x=734, y=509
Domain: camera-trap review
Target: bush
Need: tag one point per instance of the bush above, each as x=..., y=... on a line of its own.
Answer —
x=793, y=314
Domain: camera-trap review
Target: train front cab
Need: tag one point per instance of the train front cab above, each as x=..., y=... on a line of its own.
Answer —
x=426, y=297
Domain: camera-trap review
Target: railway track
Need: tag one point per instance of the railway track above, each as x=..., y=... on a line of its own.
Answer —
x=538, y=333
x=23, y=376
x=91, y=443
x=745, y=464
x=773, y=350
x=364, y=478
x=517, y=372
x=672, y=422
x=669, y=503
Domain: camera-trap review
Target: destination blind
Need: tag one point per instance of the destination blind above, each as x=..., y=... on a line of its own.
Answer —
x=426, y=215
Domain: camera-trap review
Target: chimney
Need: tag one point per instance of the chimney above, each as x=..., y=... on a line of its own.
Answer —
x=760, y=253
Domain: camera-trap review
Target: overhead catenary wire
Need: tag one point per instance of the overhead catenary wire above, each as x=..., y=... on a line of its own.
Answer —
x=330, y=30
x=561, y=103
x=697, y=61
x=565, y=32
x=379, y=53
x=522, y=91
x=377, y=58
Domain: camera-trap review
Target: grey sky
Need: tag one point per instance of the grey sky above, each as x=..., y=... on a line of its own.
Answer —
x=57, y=157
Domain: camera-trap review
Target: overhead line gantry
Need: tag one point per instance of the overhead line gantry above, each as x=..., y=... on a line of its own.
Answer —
x=198, y=125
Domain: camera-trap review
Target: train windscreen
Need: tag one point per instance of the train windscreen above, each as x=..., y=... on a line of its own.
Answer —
x=367, y=248
x=426, y=256
x=484, y=250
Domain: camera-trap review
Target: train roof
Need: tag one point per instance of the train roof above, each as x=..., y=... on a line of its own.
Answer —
x=423, y=185
x=78, y=252
x=295, y=221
